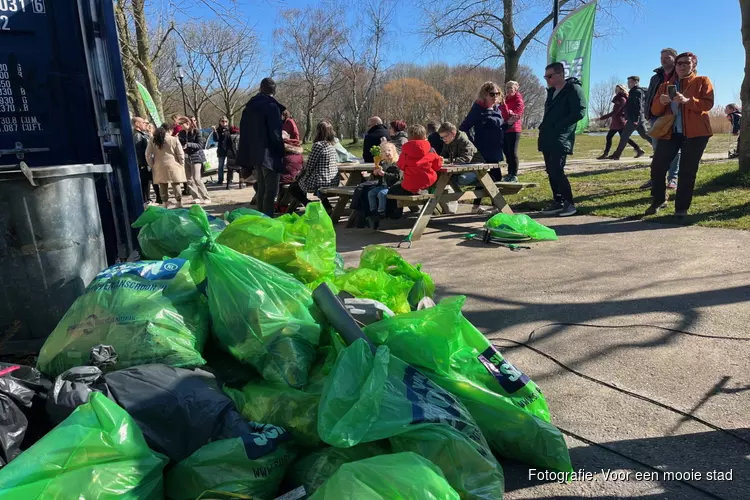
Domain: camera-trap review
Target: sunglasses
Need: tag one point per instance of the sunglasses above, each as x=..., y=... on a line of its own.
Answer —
x=493, y=94
x=549, y=76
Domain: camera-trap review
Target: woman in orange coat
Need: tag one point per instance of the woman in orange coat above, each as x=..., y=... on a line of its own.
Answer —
x=693, y=99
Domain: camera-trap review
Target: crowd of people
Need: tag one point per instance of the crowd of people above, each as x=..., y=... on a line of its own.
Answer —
x=675, y=105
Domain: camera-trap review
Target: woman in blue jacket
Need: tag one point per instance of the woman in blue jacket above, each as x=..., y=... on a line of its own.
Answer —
x=489, y=128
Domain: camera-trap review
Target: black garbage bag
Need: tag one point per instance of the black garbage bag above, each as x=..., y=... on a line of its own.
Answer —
x=72, y=389
x=178, y=410
x=23, y=421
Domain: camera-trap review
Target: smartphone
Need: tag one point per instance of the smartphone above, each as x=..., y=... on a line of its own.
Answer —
x=672, y=91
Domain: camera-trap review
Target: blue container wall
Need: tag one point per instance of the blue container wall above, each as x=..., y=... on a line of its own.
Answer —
x=45, y=94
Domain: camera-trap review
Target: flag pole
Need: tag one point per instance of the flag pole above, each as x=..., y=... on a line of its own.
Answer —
x=555, y=12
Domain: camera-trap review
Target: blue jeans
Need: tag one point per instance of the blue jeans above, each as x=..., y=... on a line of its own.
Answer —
x=222, y=160
x=674, y=167
x=467, y=179
x=376, y=199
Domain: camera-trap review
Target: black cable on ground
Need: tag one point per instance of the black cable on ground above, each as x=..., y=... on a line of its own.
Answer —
x=644, y=464
x=624, y=391
x=692, y=334
x=631, y=393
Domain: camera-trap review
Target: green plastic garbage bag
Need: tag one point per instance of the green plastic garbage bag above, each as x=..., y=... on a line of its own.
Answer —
x=239, y=212
x=315, y=468
x=401, y=476
x=518, y=226
x=98, y=452
x=149, y=311
x=380, y=258
x=277, y=404
x=293, y=409
x=166, y=233
x=393, y=291
x=259, y=314
x=229, y=465
x=303, y=246
x=368, y=398
x=508, y=406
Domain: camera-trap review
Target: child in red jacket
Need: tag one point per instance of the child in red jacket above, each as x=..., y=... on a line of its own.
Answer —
x=419, y=162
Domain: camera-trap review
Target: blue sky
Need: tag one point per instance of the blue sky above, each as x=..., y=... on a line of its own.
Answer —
x=709, y=28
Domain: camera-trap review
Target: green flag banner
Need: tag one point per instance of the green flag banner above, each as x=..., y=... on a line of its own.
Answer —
x=570, y=44
x=150, y=105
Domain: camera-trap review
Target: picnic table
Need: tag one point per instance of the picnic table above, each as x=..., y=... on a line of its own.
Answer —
x=440, y=194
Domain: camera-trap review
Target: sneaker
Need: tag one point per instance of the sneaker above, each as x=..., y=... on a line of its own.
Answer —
x=553, y=209
x=672, y=184
x=680, y=213
x=646, y=185
x=603, y=156
x=655, y=207
x=639, y=153
x=207, y=201
x=613, y=157
x=568, y=210
x=511, y=178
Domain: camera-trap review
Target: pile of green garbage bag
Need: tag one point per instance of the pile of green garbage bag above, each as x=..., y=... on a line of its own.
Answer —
x=259, y=314
x=303, y=246
x=97, y=452
x=393, y=291
x=239, y=212
x=166, y=233
x=518, y=226
x=315, y=468
x=372, y=397
x=228, y=465
x=149, y=311
x=404, y=476
x=509, y=408
x=380, y=258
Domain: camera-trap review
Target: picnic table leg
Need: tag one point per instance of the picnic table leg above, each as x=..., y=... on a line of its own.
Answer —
x=426, y=214
x=497, y=198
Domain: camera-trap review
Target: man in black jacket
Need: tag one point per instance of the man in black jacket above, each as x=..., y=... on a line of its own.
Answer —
x=375, y=130
x=634, y=109
x=564, y=107
x=140, y=140
x=261, y=146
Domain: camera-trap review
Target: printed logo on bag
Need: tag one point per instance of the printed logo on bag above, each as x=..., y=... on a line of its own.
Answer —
x=433, y=404
x=107, y=280
x=508, y=376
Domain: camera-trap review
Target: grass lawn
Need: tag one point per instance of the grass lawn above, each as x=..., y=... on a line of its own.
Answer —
x=587, y=146
x=719, y=199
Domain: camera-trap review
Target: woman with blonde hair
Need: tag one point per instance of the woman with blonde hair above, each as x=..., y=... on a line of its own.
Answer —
x=618, y=122
x=486, y=119
x=166, y=158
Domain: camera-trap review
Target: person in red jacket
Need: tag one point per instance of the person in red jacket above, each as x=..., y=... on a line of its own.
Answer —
x=419, y=162
x=512, y=111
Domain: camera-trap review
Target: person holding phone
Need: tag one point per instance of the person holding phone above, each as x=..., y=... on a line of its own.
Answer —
x=688, y=98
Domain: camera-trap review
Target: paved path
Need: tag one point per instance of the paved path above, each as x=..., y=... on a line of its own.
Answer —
x=578, y=165
x=616, y=273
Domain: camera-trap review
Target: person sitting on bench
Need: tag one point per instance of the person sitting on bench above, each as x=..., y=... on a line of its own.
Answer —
x=419, y=162
x=321, y=169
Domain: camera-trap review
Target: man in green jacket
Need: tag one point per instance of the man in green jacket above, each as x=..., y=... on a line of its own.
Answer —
x=564, y=107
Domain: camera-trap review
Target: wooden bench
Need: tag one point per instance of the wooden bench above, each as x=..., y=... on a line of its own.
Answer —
x=505, y=188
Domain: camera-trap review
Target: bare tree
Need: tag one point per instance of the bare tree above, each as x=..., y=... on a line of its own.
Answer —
x=600, y=101
x=233, y=65
x=194, y=54
x=494, y=23
x=310, y=39
x=361, y=58
x=138, y=47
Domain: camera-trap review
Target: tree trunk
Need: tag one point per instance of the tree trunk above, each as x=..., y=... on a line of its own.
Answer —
x=309, y=117
x=512, y=61
x=744, y=151
x=355, y=126
x=150, y=81
x=128, y=67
